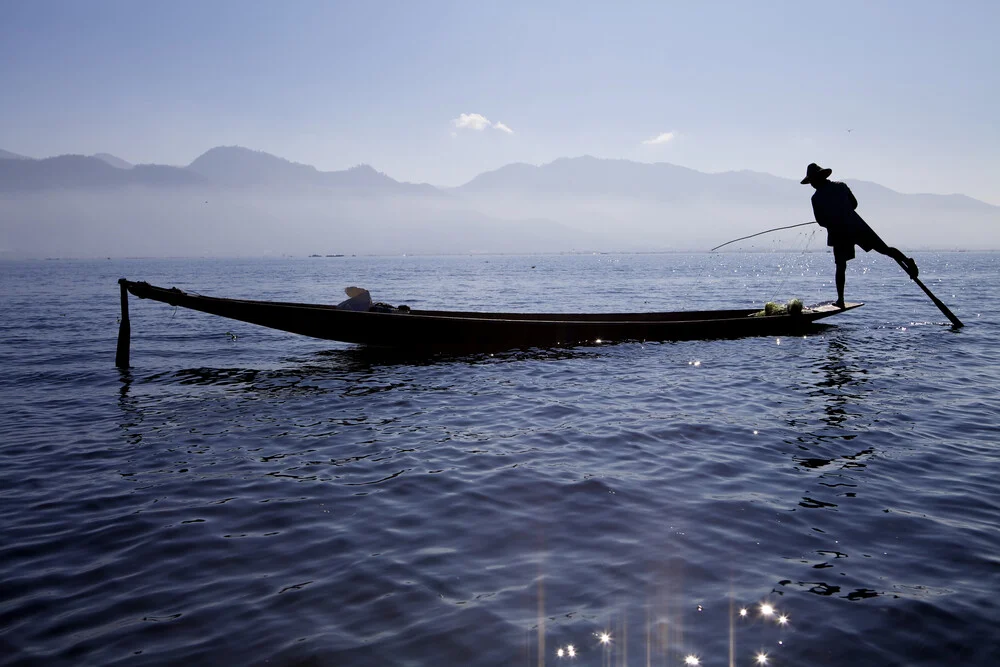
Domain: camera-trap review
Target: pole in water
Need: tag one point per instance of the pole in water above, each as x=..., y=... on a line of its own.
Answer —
x=124, y=330
x=957, y=323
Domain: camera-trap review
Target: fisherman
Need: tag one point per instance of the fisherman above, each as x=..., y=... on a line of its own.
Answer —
x=834, y=207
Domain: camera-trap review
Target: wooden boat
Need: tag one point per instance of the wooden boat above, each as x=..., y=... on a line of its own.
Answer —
x=436, y=329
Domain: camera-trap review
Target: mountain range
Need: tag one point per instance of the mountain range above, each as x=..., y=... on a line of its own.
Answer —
x=233, y=200
x=7, y=155
x=224, y=166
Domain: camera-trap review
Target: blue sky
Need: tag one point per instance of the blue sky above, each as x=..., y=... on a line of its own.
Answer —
x=748, y=85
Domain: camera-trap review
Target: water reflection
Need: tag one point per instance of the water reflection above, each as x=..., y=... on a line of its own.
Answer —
x=132, y=414
x=848, y=461
x=350, y=374
x=842, y=385
x=842, y=390
x=829, y=590
x=350, y=364
x=843, y=401
x=670, y=638
x=368, y=358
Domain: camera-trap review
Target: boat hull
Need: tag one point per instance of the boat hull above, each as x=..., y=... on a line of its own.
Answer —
x=472, y=330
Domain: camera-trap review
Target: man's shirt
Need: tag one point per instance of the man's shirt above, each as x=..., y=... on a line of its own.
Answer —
x=834, y=207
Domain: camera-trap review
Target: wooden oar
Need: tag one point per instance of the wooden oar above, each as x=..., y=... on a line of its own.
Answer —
x=124, y=330
x=937, y=302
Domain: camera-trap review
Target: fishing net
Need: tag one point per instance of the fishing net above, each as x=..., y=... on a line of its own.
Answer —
x=778, y=262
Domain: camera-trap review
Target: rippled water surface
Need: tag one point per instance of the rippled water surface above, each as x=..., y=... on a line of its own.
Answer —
x=245, y=496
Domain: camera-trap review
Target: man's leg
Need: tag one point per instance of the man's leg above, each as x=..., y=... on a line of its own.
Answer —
x=841, y=280
x=908, y=263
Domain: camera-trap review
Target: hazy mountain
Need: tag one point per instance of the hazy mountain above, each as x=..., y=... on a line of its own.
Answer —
x=7, y=155
x=113, y=161
x=235, y=201
x=232, y=165
x=664, y=206
x=590, y=176
x=222, y=167
x=80, y=171
x=237, y=166
x=593, y=176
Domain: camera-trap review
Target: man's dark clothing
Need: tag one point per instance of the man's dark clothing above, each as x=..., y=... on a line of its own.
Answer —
x=834, y=207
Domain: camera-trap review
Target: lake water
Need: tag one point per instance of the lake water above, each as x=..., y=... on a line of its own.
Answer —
x=245, y=496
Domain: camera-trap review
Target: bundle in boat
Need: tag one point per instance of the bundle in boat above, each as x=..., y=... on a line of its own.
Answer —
x=793, y=307
x=360, y=300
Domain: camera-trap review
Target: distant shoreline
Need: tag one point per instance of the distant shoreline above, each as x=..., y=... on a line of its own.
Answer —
x=10, y=257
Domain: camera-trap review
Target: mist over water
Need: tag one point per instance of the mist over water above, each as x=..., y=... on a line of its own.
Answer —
x=244, y=496
x=146, y=222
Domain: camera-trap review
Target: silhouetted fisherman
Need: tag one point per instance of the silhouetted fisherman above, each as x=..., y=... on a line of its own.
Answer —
x=834, y=207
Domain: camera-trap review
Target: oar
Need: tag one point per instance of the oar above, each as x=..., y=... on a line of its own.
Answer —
x=937, y=302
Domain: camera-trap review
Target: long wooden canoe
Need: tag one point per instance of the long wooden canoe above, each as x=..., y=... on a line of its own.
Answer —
x=477, y=330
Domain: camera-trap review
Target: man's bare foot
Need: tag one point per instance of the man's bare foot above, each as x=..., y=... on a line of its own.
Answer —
x=839, y=304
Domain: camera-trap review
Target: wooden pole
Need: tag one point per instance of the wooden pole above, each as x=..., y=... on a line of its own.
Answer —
x=124, y=330
x=957, y=323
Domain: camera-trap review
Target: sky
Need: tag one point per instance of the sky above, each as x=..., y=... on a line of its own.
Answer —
x=903, y=93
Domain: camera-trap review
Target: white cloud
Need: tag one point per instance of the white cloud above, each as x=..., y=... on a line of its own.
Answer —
x=478, y=122
x=664, y=138
x=472, y=121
